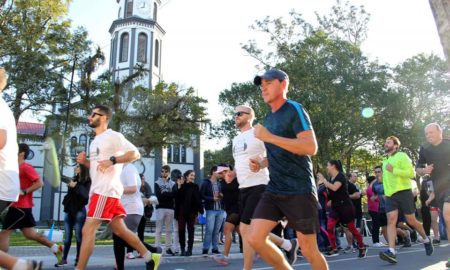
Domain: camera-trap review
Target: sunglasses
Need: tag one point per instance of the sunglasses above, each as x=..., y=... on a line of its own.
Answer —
x=238, y=114
x=93, y=114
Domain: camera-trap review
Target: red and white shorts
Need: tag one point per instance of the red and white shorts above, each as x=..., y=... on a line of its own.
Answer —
x=105, y=208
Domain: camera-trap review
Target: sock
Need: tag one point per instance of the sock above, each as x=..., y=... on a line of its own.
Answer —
x=20, y=264
x=392, y=250
x=287, y=245
x=54, y=248
x=148, y=256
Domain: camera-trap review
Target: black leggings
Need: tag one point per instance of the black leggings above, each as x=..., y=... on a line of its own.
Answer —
x=375, y=226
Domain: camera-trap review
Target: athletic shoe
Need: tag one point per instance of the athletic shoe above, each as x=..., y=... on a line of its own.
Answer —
x=291, y=255
x=221, y=259
x=215, y=251
x=332, y=253
x=59, y=254
x=436, y=242
x=388, y=256
x=154, y=262
x=378, y=245
x=429, y=249
x=62, y=263
x=349, y=249
x=362, y=252
x=448, y=263
x=407, y=242
x=35, y=265
x=204, y=252
x=130, y=256
x=170, y=252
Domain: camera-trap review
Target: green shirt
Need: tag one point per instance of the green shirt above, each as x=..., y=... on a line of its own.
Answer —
x=400, y=177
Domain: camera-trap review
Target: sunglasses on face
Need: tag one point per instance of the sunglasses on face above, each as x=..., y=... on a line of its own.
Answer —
x=93, y=114
x=238, y=114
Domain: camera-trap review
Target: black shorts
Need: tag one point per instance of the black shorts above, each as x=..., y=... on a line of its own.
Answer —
x=343, y=213
x=402, y=201
x=19, y=218
x=382, y=219
x=301, y=211
x=248, y=200
x=232, y=218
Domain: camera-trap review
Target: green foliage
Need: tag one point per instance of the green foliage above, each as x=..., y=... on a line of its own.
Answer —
x=212, y=158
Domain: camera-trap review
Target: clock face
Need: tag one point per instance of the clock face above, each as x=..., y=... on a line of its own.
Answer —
x=144, y=8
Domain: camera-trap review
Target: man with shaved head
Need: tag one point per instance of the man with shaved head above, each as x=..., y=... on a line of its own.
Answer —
x=434, y=160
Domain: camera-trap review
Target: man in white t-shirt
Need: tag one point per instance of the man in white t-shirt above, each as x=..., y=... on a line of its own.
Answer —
x=108, y=152
x=252, y=184
x=9, y=172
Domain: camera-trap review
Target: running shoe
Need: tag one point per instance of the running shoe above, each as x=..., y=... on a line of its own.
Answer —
x=332, y=253
x=62, y=263
x=221, y=259
x=154, y=262
x=59, y=254
x=170, y=252
x=130, y=256
x=215, y=251
x=429, y=249
x=388, y=256
x=35, y=265
x=291, y=255
x=436, y=242
x=349, y=249
x=362, y=252
x=379, y=244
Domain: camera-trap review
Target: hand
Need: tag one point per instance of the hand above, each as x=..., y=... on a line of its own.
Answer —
x=81, y=158
x=254, y=165
x=389, y=167
x=103, y=165
x=320, y=178
x=261, y=132
x=427, y=202
x=72, y=184
x=428, y=169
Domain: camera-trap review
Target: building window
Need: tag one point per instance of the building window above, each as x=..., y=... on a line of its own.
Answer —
x=73, y=145
x=129, y=9
x=176, y=153
x=183, y=154
x=155, y=11
x=142, y=48
x=124, y=40
x=83, y=141
x=156, y=53
x=169, y=153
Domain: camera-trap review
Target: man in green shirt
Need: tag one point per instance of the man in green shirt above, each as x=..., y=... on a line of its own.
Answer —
x=397, y=173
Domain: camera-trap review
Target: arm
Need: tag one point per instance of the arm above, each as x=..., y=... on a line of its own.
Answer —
x=355, y=195
x=405, y=169
x=305, y=143
x=335, y=186
x=81, y=159
x=35, y=186
x=129, y=189
x=204, y=193
x=82, y=189
x=3, y=138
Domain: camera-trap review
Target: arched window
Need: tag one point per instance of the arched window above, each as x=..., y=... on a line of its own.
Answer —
x=83, y=141
x=183, y=154
x=176, y=153
x=169, y=153
x=73, y=144
x=124, y=40
x=156, y=53
x=129, y=9
x=142, y=48
x=155, y=11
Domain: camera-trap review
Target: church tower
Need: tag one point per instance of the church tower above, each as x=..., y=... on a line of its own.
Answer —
x=136, y=38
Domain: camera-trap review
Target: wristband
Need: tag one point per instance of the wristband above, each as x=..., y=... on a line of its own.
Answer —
x=24, y=191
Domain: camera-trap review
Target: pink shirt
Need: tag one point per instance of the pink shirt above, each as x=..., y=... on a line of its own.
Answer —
x=372, y=205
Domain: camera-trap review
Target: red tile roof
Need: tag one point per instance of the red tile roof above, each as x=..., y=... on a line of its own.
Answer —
x=27, y=128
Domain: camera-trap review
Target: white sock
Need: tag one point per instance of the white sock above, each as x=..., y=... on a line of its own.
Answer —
x=287, y=245
x=392, y=250
x=54, y=248
x=148, y=256
x=20, y=265
x=426, y=239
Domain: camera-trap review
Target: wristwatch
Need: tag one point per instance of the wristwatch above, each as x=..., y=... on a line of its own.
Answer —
x=113, y=160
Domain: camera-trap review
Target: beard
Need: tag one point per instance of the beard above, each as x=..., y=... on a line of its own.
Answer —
x=389, y=149
x=94, y=124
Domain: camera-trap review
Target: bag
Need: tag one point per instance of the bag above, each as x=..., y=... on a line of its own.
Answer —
x=201, y=220
x=148, y=211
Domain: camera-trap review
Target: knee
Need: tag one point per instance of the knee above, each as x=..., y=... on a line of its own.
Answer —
x=256, y=242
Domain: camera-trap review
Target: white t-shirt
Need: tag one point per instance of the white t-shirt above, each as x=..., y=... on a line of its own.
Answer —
x=246, y=146
x=109, y=143
x=132, y=202
x=9, y=166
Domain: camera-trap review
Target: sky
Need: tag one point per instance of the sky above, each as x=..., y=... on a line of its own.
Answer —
x=202, y=45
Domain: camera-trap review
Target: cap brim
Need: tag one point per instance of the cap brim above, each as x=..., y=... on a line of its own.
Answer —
x=222, y=169
x=257, y=80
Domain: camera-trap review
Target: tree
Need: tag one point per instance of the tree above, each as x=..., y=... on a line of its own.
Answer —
x=37, y=48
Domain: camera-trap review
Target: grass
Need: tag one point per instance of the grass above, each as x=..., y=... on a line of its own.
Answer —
x=17, y=239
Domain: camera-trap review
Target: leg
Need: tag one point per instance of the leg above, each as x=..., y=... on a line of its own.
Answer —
x=176, y=241
x=446, y=214
x=191, y=231
x=168, y=224
x=119, y=252
x=4, y=240
x=352, y=228
x=248, y=250
x=259, y=240
x=308, y=245
x=88, y=243
x=218, y=220
x=68, y=232
x=375, y=227
x=79, y=223
x=228, y=230
x=182, y=233
x=411, y=220
x=434, y=216
x=159, y=221
x=32, y=234
x=210, y=220
x=392, y=217
x=120, y=229
x=331, y=224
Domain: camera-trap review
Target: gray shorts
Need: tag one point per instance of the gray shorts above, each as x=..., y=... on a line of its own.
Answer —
x=402, y=201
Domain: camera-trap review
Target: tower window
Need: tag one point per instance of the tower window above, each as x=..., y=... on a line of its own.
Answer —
x=129, y=9
x=156, y=53
x=142, y=48
x=155, y=11
x=124, y=40
x=73, y=144
x=83, y=141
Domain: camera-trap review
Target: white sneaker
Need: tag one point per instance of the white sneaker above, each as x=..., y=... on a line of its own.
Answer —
x=130, y=256
x=379, y=244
